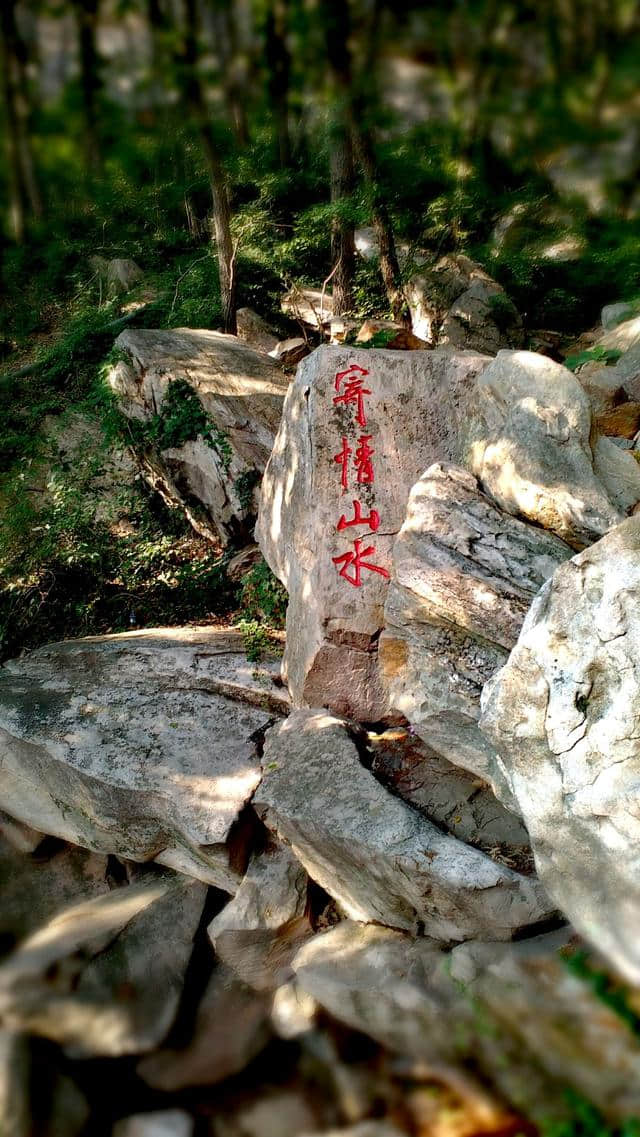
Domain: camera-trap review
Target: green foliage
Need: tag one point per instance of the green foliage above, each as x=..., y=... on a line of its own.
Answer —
x=262, y=597
x=585, y=1120
x=604, y=355
x=257, y=641
x=607, y=989
x=244, y=486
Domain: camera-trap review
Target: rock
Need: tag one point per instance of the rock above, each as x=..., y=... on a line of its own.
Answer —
x=413, y=417
x=546, y=341
x=515, y=1010
x=623, y=336
x=276, y=1114
x=21, y=837
x=627, y=369
x=622, y=421
x=562, y=715
x=464, y=575
x=603, y=387
x=259, y=931
x=397, y=339
x=614, y=314
x=482, y=318
x=292, y=1011
x=117, y=275
x=363, y=1129
x=69, y=1111
x=137, y=744
x=366, y=243
x=231, y=1028
x=15, y=1076
x=376, y=856
x=618, y=471
x=456, y=801
x=289, y=352
x=35, y=889
x=309, y=306
x=340, y=327
x=162, y=1123
x=527, y=441
x=241, y=393
x=104, y=977
x=255, y=331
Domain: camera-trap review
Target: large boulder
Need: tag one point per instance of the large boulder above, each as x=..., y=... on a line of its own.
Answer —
x=563, y=715
x=464, y=575
x=142, y=745
x=527, y=440
x=358, y=429
x=238, y=392
x=379, y=858
x=515, y=1011
x=104, y=977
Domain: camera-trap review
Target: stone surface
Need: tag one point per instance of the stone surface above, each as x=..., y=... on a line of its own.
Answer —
x=603, y=386
x=136, y=745
x=483, y=318
x=254, y=330
x=614, y=314
x=260, y=929
x=309, y=306
x=240, y=390
x=231, y=1027
x=117, y=275
x=15, y=1073
x=283, y=1113
x=456, y=801
x=464, y=575
x=363, y=1129
x=623, y=336
x=413, y=417
x=34, y=889
x=288, y=353
x=515, y=1009
x=622, y=421
x=105, y=976
x=618, y=471
x=376, y=856
x=21, y=837
x=527, y=441
x=562, y=715
x=162, y=1123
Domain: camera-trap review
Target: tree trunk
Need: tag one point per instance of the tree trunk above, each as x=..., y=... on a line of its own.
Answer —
x=231, y=72
x=196, y=103
x=90, y=78
x=278, y=62
x=343, y=253
x=24, y=196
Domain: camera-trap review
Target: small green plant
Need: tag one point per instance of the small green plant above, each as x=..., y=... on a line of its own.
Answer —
x=244, y=486
x=605, y=355
x=182, y=418
x=585, y=1120
x=262, y=597
x=257, y=641
x=607, y=989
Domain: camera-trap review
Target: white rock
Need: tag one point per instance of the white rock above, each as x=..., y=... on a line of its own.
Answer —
x=528, y=442
x=240, y=390
x=254, y=330
x=464, y=575
x=310, y=306
x=104, y=977
x=562, y=715
x=614, y=314
x=162, y=1123
x=123, y=744
x=623, y=336
x=378, y=858
x=413, y=416
x=618, y=472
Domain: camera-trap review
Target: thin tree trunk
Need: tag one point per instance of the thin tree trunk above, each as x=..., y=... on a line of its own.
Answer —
x=196, y=103
x=24, y=195
x=90, y=78
x=343, y=253
x=233, y=82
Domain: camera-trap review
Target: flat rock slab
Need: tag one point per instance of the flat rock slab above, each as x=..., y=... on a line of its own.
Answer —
x=104, y=977
x=563, y=717
x=515, y=1010
x=123, y=744
x=527, y=440
x=333, y=499
x=240, y=389
x=464, y=575
x=381, y=860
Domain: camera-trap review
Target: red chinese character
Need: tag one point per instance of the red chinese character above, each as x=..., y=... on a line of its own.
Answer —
x=356, y=561
x=343, y=457
x=373, y=520
x=354, y=391
x=363, y=463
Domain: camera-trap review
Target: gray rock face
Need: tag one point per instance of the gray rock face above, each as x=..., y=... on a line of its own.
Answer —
x=323, y=461
x=161, y=1123
x=482, y=318
x=377, y=857
x=118, y=275
x=528, y=442
x=562, y=715
x=232, y=1026
x=516, y=1009
x=255, y=331
x=614, y=314
x=15, y=1071
x=240, y=390
x=618, y=472
x=123, y=744
x=259, y=930
x=104, y=977
x=464, y=575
